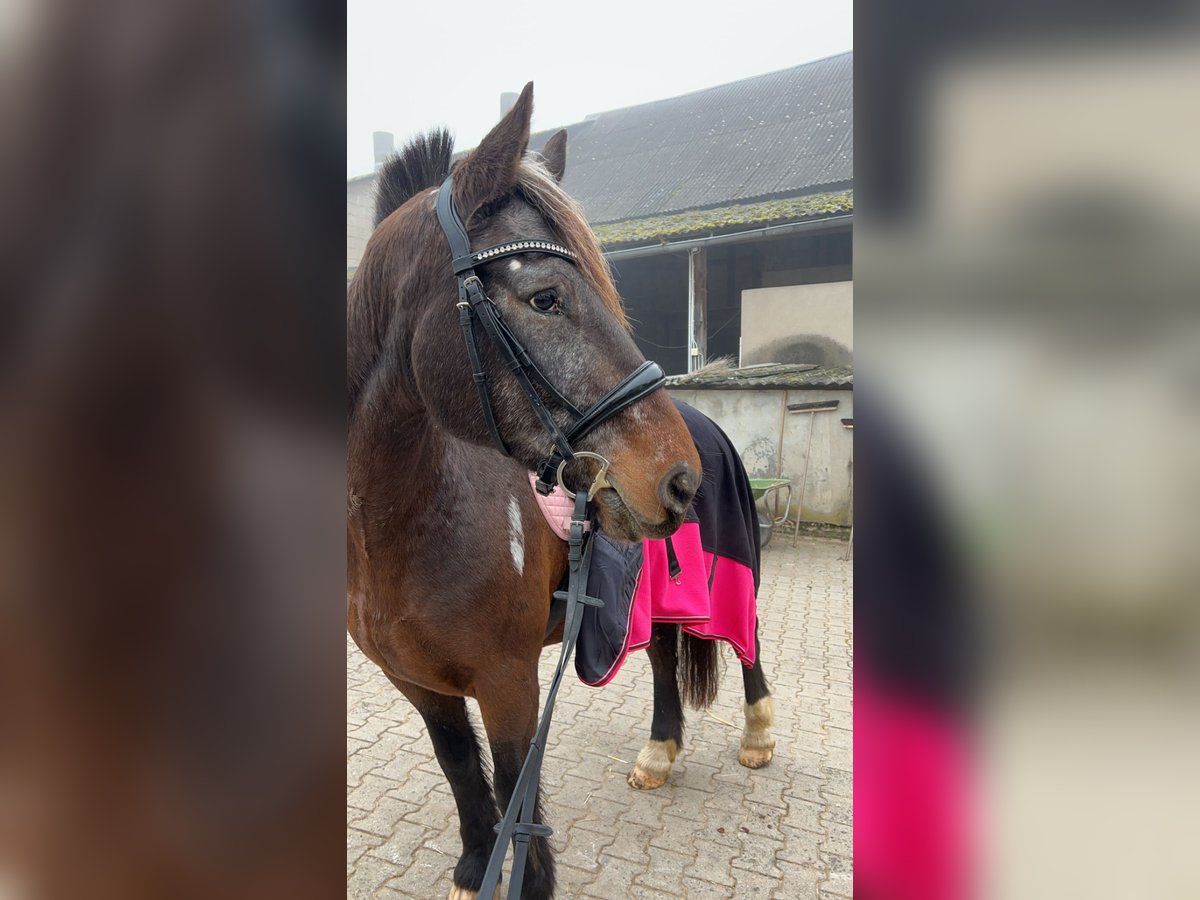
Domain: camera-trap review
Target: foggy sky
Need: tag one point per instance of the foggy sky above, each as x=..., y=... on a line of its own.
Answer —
x=410, y=66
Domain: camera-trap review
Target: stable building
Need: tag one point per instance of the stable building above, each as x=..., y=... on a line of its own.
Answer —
x=726, y=215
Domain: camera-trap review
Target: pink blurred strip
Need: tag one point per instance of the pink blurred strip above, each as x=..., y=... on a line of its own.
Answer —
x=912, y=822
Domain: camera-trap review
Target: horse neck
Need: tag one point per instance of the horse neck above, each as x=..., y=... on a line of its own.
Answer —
x=395, y=459
x=401, y=451
x=392, y=435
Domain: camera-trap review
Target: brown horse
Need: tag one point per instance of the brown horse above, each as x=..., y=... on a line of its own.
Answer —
x=451, y=565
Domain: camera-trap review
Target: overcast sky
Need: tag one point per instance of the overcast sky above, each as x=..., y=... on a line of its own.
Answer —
x=414, y=65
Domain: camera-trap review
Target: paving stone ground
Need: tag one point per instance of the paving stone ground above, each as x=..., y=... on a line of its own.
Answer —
x=715, y=830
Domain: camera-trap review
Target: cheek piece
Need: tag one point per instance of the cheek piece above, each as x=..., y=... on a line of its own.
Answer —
x=475, y=307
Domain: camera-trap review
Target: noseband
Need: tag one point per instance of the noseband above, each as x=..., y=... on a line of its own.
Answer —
x=474, y=305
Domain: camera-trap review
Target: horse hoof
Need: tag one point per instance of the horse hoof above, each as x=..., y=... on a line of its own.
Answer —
x=653, y=765
x=642, y=780
x=755, y=759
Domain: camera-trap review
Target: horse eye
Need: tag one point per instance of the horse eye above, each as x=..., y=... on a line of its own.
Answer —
x=544, y=301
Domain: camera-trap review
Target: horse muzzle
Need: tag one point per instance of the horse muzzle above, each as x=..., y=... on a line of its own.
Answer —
x=621, y=518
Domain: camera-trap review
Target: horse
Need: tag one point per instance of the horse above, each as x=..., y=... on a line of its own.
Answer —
x=451, y=566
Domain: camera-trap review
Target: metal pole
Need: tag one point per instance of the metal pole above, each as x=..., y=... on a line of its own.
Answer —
x=693, y=350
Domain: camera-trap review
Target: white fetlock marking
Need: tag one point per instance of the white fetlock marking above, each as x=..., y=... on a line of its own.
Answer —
x=760, y=717
x=657, y=757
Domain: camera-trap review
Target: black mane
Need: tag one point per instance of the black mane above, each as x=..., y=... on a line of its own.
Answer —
x=423, y=163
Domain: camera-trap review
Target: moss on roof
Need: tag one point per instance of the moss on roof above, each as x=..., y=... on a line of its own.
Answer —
x=796, y=376
x=696, y=222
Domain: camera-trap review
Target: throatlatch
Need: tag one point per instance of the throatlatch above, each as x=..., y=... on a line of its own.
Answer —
x=518, y=825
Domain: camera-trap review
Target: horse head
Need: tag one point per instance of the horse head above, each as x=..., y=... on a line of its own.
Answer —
x=563, y=309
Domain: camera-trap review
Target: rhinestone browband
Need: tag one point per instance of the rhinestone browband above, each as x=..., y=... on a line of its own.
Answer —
x=522, y=247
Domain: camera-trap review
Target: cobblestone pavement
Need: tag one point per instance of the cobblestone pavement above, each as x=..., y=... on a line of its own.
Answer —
x=714, y=830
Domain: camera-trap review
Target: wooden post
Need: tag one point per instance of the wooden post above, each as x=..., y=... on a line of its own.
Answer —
x=697, y=308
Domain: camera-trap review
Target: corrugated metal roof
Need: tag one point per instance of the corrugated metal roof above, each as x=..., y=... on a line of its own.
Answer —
x=786, y=133
x=771, y=375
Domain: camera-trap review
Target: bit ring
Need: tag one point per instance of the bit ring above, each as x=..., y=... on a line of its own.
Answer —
x=598, y=482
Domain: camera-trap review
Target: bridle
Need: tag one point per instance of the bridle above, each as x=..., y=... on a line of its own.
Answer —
x=474, y=305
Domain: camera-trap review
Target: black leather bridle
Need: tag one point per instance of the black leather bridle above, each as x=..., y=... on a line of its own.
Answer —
x=474, y=305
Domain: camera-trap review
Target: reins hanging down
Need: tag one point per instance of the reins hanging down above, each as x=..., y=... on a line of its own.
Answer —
x=518, y=825
x=475, y=305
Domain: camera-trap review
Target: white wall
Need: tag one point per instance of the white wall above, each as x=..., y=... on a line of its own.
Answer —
x=752, y=419
x=785, y=324
x=360, y=214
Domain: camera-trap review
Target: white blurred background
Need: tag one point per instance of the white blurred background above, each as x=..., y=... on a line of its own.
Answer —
x=1028, y=295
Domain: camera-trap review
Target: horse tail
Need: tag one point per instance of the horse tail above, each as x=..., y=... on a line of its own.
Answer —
x=697, y=671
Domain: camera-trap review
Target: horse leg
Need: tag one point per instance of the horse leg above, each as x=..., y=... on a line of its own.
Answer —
x=654, y=763
x=758, y=744
x=510, y=715
x=457, y=749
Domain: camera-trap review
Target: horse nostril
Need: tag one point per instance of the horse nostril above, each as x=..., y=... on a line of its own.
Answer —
x=677, y=488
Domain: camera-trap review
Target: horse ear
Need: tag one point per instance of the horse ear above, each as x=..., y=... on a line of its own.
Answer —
x=555, y=154
x=490, y=170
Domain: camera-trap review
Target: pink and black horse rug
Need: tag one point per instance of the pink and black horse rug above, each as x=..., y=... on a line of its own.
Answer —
x=704, y=577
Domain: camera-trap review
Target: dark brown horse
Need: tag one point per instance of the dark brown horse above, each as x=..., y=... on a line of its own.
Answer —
x=451, y=565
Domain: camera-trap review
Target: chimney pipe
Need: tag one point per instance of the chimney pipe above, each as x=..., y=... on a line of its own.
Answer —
x=385, y=146
x=508, y=100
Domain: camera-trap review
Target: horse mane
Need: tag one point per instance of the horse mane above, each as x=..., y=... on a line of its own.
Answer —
x=423, y=163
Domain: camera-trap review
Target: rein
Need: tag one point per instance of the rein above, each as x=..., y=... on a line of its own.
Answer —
x=474, y=305
x=518, y=825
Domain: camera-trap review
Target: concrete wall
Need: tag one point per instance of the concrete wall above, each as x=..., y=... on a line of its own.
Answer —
x=360, y=214
x=800, y=323
x=752, y=419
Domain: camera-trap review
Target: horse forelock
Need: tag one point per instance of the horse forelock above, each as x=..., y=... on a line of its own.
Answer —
x=565, y=218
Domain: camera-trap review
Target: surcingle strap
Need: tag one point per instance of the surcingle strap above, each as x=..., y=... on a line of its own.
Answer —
x=674, y=569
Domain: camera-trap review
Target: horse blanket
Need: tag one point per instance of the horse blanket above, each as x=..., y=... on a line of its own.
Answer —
x=704, y=578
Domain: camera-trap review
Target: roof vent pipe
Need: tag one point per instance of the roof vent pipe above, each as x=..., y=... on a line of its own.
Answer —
x=385, y=146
